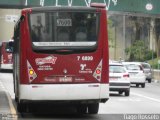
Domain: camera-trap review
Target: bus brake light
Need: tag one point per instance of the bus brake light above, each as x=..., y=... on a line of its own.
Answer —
x=98, y=5
x=98, y=71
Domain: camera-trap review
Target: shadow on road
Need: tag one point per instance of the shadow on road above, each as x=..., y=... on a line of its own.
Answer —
x=53, y=112
x=116, y=95
x=6, y=71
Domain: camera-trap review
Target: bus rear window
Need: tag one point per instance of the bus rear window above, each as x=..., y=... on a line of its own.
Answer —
x=64, y=29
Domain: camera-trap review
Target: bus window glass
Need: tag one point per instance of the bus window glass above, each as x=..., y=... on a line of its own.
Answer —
x=57, y=28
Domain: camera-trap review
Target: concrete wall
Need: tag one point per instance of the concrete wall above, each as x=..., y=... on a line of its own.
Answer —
x=7, y=24
x=156, y=74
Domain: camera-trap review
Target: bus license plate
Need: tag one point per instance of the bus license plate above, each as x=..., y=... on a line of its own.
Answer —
x=65, y=79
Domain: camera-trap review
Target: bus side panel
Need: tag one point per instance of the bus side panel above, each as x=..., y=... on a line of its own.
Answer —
x=105, y=69
x=25, y=36
x=104, y=92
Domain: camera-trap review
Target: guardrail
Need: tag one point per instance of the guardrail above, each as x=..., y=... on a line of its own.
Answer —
x=156, y=74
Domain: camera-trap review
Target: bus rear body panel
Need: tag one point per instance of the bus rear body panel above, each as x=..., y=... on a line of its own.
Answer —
x=63, y=70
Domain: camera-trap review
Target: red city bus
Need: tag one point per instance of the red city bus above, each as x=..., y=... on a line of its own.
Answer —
x=6, y=56
x=61, y=54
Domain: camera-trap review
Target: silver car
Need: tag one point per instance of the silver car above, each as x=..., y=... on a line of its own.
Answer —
x=119, y=79
x=147, y=71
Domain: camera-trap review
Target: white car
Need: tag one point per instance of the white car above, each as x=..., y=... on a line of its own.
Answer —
x=136, y=73
x=119, y=78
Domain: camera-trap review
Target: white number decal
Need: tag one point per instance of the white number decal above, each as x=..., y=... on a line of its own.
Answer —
x=78, y=58
x=87, y=58
x=64, y=22
x=82, y=66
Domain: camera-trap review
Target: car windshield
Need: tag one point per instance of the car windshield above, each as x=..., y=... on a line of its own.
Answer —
x=132, y=67
x=146, y=66
x=116, y=69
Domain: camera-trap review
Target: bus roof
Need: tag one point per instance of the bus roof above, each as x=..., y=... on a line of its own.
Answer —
x=48, y=8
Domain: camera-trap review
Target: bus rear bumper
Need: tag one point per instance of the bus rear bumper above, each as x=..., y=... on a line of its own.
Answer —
x=66, y=92
x=7, y=66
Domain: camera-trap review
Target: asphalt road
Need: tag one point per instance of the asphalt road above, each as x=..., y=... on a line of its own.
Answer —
x=142, y=101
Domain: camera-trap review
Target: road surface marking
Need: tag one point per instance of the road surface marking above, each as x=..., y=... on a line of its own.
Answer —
x=150, y=98
x=12, y=109
x=130, y=99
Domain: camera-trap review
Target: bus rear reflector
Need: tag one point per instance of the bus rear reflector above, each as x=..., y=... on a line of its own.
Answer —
x=31, y=73
x=97, y=72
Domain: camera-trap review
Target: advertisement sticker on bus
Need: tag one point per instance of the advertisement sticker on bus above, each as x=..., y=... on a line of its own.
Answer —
x=46, y=60
x=84, y=69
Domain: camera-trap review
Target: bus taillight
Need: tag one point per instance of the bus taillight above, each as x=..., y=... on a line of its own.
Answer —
x=31, y=73
x=97, y=73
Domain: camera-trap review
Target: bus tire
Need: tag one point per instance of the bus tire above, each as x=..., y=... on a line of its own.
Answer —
x=21, y=107
x=82, y=109
x=93, y=108
x=16, y=98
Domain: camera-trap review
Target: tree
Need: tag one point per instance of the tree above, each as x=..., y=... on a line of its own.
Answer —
x=110, y=33
x=137, y=51
x=157, y=35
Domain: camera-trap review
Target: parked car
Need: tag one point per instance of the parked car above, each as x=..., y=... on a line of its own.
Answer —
x=147, y=71
x=6, y=60
x=136, y=73
x=119, y=78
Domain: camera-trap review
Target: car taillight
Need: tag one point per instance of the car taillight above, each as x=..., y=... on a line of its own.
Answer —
x=126, y=75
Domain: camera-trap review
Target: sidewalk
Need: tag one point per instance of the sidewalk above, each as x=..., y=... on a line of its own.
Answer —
x=4, y=104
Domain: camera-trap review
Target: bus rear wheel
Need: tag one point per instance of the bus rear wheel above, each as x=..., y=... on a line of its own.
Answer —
x=21, y=107
x=93, y=108
x=82, y=109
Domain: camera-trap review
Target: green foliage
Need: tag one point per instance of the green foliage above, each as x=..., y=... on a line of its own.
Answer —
x=149, y=54
x=139, y=52
x=154, y=63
